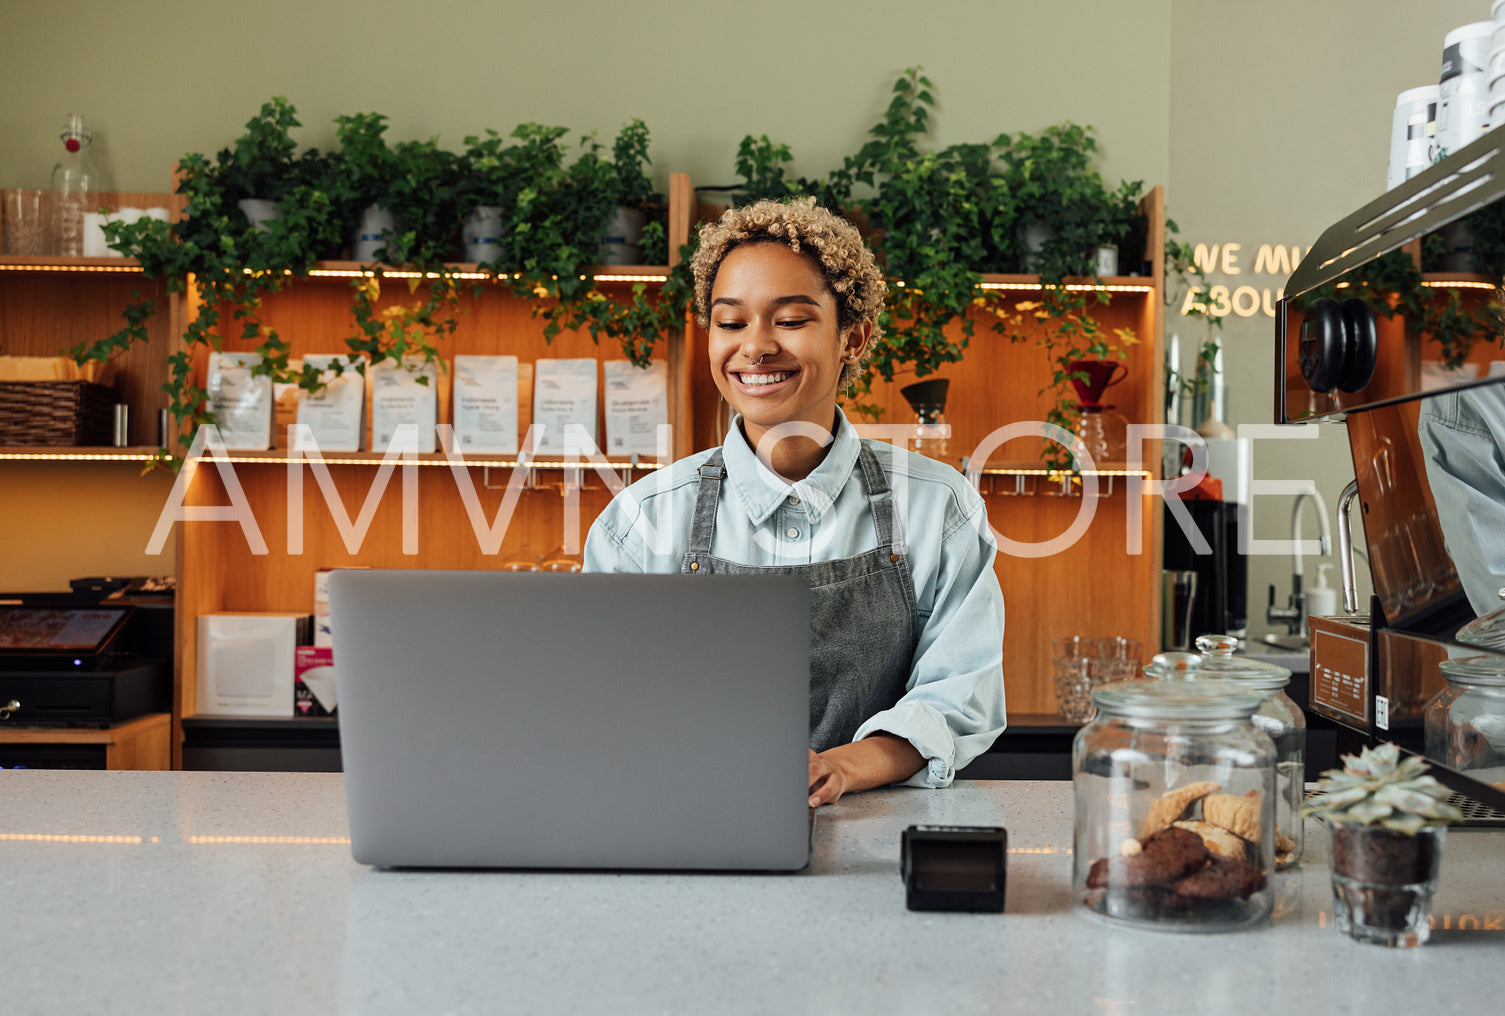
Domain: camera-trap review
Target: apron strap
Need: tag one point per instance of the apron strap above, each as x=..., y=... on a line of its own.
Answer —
x=880, y=499
x=703, y=525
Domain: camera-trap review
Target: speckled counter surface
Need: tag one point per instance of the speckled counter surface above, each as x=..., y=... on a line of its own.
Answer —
x=235, y=893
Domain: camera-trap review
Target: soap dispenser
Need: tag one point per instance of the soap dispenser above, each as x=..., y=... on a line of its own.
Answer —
x=1321, y=600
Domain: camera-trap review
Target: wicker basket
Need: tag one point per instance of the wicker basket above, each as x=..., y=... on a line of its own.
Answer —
x=56, y=413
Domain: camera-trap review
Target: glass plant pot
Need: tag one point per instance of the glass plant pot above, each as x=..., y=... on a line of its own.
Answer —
x=1383, y=882
x=1174, y=797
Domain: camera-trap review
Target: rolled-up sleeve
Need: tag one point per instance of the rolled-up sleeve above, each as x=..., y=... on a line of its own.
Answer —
x=953, y=707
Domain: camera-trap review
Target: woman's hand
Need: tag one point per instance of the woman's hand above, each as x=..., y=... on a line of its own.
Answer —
x=827, y=781
x=874, y=761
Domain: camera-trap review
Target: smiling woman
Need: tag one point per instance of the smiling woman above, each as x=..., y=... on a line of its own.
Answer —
x=906, y=615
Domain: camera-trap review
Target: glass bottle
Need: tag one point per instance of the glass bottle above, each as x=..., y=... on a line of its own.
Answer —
x=1277, y=716
x=1173, y=790
x=1104, y=432
x=71, y=185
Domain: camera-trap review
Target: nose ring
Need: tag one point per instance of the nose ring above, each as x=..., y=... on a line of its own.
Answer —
x=754, y=363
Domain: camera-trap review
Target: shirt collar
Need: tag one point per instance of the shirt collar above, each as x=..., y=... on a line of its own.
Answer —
x=761, y=491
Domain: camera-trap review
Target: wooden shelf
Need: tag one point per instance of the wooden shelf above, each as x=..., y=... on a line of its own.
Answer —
x=340, y=271
x=280, y=456
x=77, y=453
x=1128, y=284
x=140, y=743
x=99, y=266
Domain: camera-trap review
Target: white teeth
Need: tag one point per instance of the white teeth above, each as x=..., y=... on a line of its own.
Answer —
x=765, y=379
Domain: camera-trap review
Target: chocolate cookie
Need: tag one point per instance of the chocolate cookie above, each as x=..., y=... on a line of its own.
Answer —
x=1166, y=856
x=1223, y=878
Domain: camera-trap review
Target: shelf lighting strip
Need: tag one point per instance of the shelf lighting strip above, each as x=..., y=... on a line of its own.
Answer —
x=1056, y=474
x=352, y=273
x=1074, y=287
x=329, y=460
x=130, y=269
x=77, y=457
x=1459, y=285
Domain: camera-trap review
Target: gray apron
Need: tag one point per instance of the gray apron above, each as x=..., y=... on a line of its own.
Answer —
x=863, y=625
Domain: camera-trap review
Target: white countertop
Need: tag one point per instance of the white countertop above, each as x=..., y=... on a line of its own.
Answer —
x=228, y=893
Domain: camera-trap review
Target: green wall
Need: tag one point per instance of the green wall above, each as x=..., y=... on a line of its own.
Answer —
x=812, y=73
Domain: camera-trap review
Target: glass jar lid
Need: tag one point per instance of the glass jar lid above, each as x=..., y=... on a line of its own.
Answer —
x=1485, y=670
x=1219, y=663
x=1487, y=630
x=1173, y=665
x=1177, y=700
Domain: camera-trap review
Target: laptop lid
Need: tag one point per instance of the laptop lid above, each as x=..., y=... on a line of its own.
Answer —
x=501, y=719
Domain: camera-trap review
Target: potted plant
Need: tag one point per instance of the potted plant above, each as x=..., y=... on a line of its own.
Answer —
x=487, y=187
x=628, y=230
x=256, y=170
x=368, y=168
x=1388, y=820
x=1066, y=211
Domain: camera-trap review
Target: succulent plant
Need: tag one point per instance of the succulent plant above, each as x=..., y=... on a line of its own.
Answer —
x=1376, y=787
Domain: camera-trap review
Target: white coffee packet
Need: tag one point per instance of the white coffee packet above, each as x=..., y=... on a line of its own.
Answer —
x=336, y=413
x=637, y=402
x=486, y=404
x=240, y=401
x=406, y=393
x=564, y=393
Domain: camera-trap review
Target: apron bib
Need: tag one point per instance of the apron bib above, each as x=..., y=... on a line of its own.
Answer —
x=863, y=627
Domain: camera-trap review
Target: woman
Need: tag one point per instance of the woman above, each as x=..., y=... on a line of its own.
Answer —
x=906, y=615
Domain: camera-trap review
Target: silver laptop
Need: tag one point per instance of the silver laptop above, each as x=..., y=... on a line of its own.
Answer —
x=505, y=720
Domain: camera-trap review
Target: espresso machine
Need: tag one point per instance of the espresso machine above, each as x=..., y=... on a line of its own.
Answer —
x=1393, y=326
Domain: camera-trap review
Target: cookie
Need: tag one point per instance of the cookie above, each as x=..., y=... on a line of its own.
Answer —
x=1178, y=851
x=1168, y=807
x=1239, y=815
x=1162, y=858
x=1218, y=840
x=1222, y=878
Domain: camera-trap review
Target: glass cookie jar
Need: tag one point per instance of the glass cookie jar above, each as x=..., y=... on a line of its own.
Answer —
x=1465, y=722
x=1277, y=716
x=1174, y=797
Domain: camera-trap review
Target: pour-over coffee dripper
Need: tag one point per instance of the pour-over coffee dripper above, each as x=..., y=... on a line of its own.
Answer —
x=1091, y=378
x=1102, y=431
x=928, y=400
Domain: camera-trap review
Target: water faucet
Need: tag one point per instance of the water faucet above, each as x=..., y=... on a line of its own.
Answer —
x=1293, y=615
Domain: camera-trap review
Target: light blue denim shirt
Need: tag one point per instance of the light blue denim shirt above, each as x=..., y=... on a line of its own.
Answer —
x=953, y=707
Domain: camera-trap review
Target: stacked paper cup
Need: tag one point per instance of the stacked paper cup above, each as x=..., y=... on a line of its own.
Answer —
x=1463, y=107
x=1497, y=65
x=1413, y=133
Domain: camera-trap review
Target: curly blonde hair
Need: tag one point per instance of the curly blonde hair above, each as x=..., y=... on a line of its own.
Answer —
x=829, y=241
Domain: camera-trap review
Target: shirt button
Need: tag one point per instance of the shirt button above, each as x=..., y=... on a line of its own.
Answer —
x=793, y=499
x=792, y=533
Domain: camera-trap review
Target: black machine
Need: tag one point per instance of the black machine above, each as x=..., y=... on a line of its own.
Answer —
x=69, y=663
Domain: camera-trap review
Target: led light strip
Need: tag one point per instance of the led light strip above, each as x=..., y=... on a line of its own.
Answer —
x=76, y=457
x=1074, y=287
x=61, y=838
x=428, y=460
x=1459, y=285
x=1056, y=474
x=134, y=269
x=298, y=840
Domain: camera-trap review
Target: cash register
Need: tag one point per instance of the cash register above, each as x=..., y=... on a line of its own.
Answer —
x=90, y=658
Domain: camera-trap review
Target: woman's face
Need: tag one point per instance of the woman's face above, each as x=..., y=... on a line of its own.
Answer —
x=770, y=305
